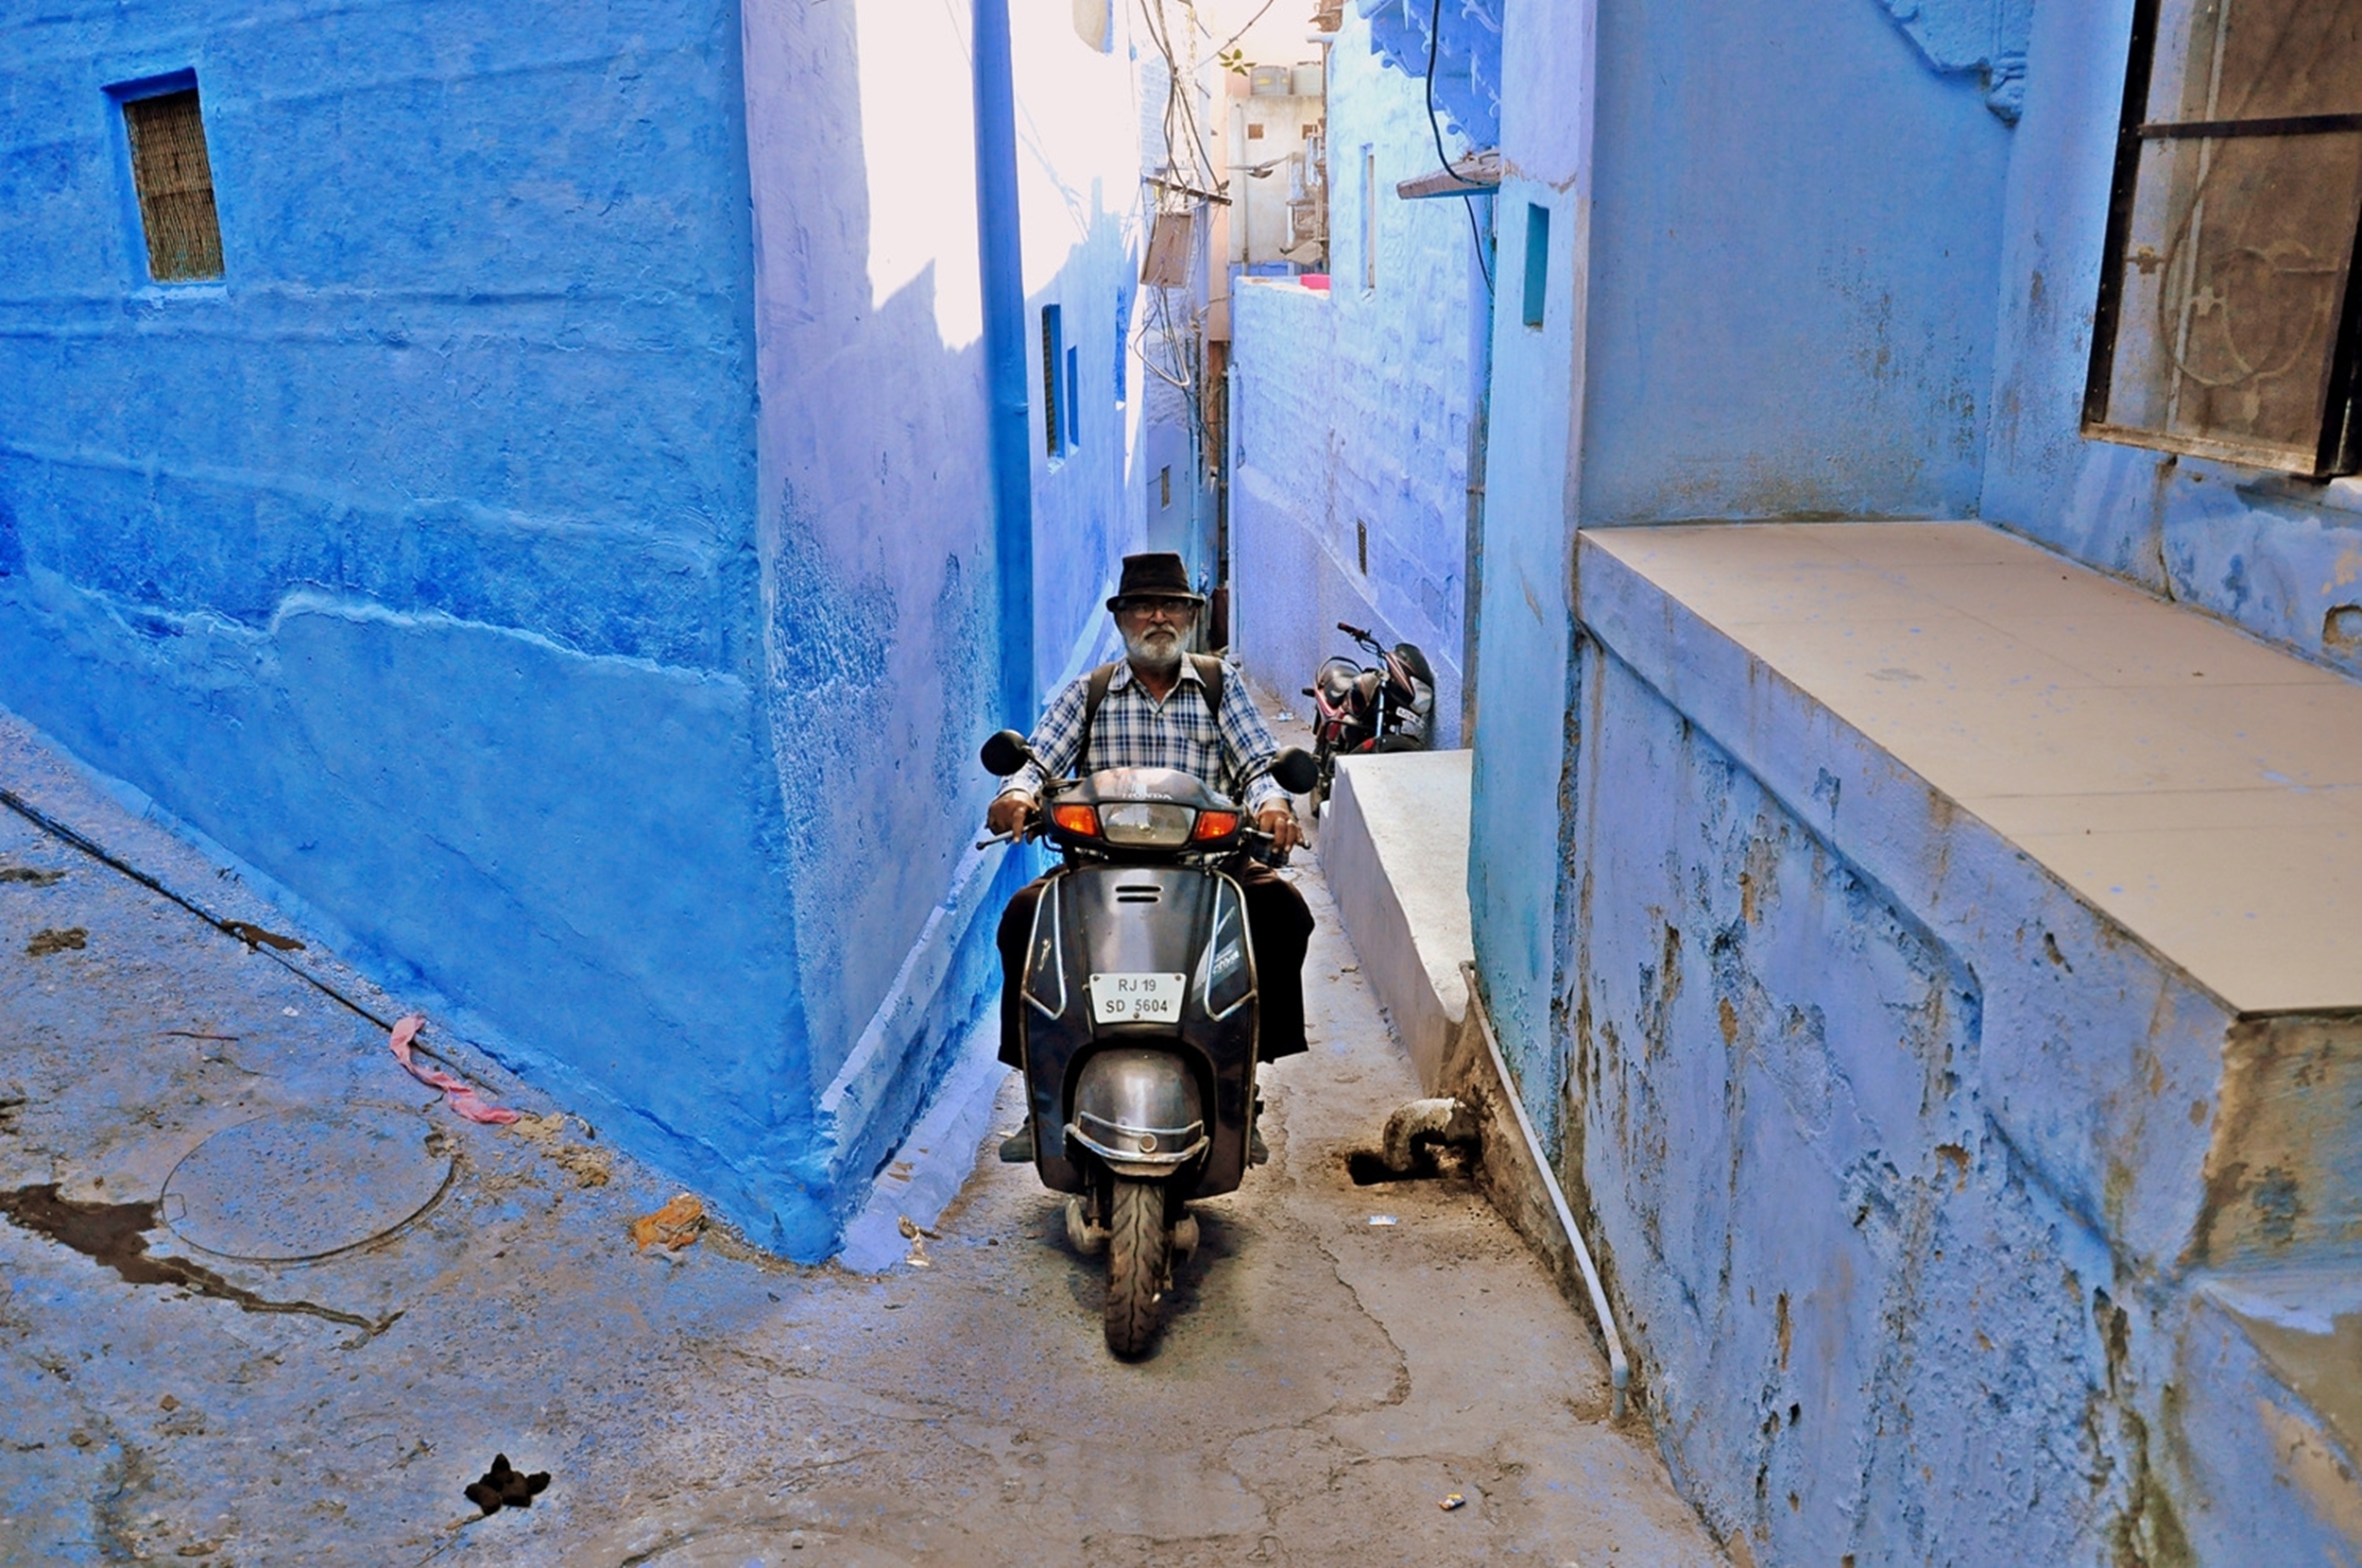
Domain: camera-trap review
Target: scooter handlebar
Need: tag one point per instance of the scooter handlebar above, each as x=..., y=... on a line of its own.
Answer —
x=1270, y=856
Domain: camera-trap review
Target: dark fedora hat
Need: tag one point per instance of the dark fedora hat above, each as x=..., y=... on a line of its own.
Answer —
x=1159, y=574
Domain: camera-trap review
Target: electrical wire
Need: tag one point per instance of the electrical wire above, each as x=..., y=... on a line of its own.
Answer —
x=1476, y=235
x=256, y=939
x=1244, y=31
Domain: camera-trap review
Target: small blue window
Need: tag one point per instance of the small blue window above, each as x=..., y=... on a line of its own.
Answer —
x=1537, y=261
x=1073, y=396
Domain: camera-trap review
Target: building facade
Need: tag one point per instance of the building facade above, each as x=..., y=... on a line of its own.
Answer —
x=569, y=532
x=1915, y=736
x=1908, y=934
x=1358, y=398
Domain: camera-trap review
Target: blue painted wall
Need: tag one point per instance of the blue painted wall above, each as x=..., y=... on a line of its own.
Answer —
x=560, y=554
x=1908, y=1166
x=1907, y=1246
x=1793, y=246
x=1080, y=204
x=1774, y=246
x=414, y=561
x=1463, y=40
x=1525, y=625
x=1352, y=407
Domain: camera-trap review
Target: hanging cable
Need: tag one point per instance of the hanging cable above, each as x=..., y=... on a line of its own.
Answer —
x=1476, y=235
x=269, y=944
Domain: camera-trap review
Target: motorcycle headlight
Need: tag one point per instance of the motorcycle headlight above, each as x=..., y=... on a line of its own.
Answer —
x=1147, y=823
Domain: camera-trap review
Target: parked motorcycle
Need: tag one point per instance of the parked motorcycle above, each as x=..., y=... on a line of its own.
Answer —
x=1388, y=707
x=1140, y=1019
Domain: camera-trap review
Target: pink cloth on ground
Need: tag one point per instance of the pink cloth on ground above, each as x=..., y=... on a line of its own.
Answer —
x=462, y=1096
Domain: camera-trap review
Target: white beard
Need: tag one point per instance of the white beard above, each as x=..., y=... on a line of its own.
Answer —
x=1157, y=651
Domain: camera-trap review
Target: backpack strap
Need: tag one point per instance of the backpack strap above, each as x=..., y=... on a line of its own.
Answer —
x=1094, y=693
x=1210, y=673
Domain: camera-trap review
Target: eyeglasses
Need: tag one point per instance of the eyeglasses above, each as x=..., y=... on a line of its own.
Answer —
x=1172, y=610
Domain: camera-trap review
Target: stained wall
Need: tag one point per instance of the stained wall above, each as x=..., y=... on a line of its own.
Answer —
x=1907, y=1248
x=1762, y=299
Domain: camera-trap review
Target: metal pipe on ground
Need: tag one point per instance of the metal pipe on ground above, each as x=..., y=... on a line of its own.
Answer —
x=1618, y=1365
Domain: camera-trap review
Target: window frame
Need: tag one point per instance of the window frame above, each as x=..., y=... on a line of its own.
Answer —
x=1053, y=412
x=1534, y=308
x=121, y=98
x=2338, y=449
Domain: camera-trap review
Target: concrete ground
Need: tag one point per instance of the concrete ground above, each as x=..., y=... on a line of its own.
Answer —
x=1323, y=1383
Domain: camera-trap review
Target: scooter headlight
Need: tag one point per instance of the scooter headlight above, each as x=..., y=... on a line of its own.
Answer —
x=1146, y=824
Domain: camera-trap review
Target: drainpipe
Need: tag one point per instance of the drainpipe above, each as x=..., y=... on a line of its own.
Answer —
x=1618, y=1364
x=1002, y=269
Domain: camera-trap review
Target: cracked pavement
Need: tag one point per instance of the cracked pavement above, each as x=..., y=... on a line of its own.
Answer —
x=1321, y=1384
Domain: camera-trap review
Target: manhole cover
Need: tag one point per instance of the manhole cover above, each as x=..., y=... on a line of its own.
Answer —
x=305, y=1183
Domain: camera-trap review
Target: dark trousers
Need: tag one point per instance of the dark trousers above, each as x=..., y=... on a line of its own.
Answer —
x=1277, y=921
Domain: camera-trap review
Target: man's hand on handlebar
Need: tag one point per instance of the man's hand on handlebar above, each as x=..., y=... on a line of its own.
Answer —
x=1280, y=823
x=1011, y=812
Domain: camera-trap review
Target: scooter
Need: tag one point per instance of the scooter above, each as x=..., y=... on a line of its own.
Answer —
x=1141, y=1022
x=1389, y=706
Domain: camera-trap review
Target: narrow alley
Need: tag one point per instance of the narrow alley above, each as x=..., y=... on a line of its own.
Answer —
x=1339, y=1361
x=600, y=618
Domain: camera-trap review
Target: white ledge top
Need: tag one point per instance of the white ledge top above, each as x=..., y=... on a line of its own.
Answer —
x=2202, y=788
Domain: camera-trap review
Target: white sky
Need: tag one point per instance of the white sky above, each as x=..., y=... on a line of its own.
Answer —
x=1275, y=40
x=921, y=166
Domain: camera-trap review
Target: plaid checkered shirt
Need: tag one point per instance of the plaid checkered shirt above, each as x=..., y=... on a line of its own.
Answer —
x=1134, y=730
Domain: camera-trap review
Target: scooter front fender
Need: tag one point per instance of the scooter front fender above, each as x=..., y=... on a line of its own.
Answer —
x=1139, y=1111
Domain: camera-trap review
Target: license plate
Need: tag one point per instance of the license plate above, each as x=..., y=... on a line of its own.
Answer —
x=1137, y=998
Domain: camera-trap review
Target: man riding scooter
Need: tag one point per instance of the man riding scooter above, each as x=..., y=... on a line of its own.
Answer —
x=1161, y=707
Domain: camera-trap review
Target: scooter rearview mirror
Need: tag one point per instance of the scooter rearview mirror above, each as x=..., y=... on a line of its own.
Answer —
x=1004, y=752
x=1295, y=770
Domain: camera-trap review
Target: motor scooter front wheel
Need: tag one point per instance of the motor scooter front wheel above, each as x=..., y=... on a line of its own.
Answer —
x=1139, y=1261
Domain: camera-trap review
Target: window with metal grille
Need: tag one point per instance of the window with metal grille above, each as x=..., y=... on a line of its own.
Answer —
x=174, y=182
x=2227, y=324
x=1053, y=378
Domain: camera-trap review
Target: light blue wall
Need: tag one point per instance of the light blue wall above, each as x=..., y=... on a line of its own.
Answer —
x=1794, y=238
x=1354, y=406
x=1775, y=249
x=1908, y=1166
x=1525, y=627
x=1089, y=505
x=1903, y=1211
x=542, y=557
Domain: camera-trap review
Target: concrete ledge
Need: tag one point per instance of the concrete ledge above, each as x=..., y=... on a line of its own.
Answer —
x=1395, y=844
x=2086, y=859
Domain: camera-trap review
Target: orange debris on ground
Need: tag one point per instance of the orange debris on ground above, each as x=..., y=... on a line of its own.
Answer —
x=673, y=1226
